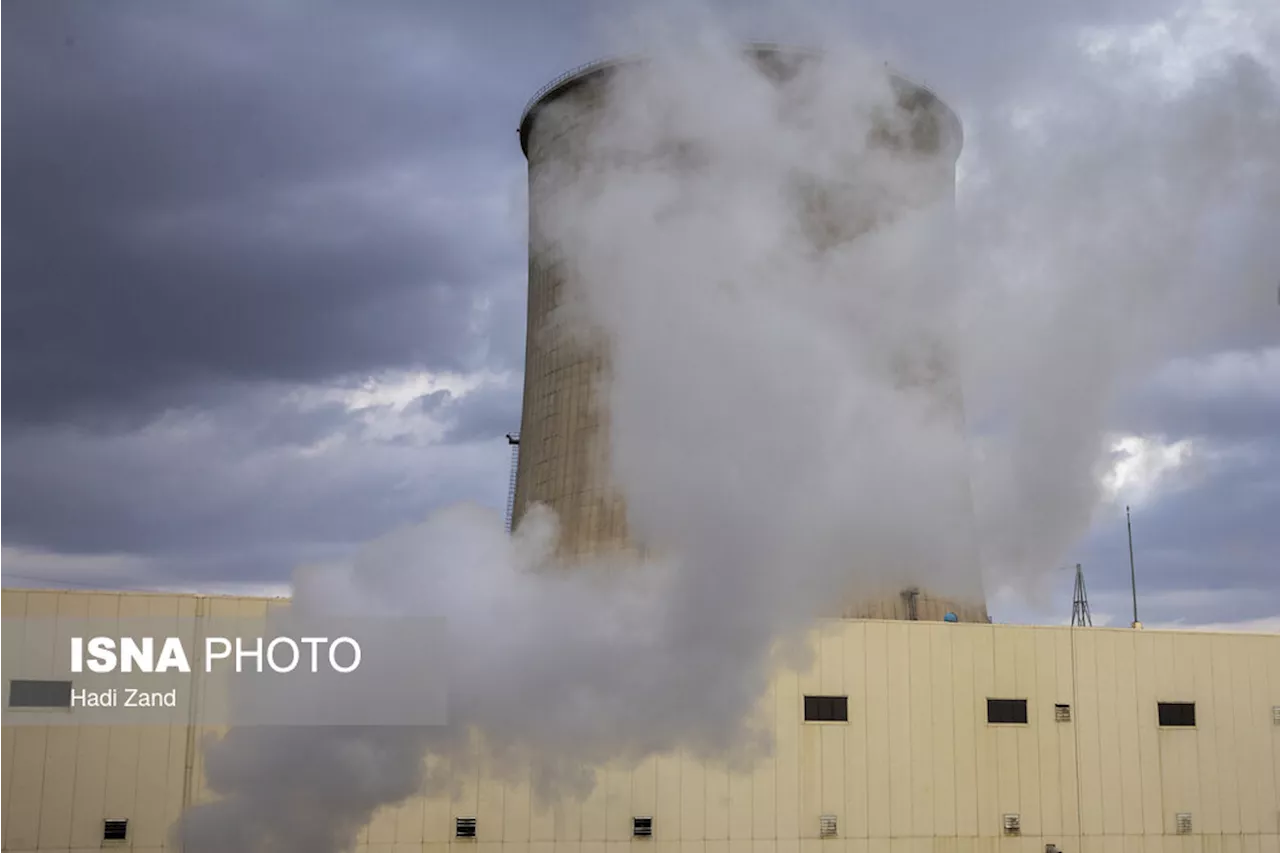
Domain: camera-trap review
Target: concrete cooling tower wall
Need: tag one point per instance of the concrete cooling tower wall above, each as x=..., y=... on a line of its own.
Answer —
x=563, y=460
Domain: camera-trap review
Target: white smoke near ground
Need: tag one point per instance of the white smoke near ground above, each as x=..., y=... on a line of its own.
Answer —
x=782, y=423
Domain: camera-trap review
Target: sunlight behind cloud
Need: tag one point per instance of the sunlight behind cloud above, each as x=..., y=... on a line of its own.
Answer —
x=398, y=390
x=1141, y=464
x=389, y=407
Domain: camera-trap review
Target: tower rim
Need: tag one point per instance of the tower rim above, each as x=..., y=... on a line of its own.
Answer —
x=578, y=75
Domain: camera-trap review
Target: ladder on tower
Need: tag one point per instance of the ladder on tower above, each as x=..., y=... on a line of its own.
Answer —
x=513, y=439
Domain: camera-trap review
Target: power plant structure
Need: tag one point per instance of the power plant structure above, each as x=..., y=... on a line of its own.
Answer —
x=564, y=450
x=902, y=734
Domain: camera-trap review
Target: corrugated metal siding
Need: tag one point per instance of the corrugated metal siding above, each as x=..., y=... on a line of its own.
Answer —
x=916, y=769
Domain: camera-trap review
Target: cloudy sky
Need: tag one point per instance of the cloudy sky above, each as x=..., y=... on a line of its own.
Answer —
x=265, y=280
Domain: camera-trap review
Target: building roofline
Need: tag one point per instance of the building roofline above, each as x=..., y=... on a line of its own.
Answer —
x=59, y=590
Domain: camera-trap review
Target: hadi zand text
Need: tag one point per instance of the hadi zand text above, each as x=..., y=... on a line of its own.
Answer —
x=124, y=697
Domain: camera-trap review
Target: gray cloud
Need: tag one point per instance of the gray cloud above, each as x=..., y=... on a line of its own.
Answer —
x=243, y=492
x=490, y=412
x=1215, y=534
x=230, y=194
x=1205, y=538
x=1234, y=397
x=209, y=208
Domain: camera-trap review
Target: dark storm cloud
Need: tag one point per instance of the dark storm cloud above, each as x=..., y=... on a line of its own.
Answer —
x=1204, y=545
x=218, y=192
x=1179, y=418
x=210, y=208
x=233, y=192
x=1234, y=397
x=1216, y=530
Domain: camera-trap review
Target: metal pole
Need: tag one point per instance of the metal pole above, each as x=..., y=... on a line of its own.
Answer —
x=1133, y=578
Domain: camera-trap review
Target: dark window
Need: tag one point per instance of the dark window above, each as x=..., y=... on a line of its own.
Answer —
x=1177, y=713
x=115, y=830
x=30, y=693
x=826, y=709
x=1006, y=710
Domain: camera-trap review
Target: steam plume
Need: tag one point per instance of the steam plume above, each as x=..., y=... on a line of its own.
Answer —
x=763, y=435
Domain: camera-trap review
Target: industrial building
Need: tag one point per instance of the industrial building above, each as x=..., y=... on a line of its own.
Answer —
x=908, y=734
x=915, y=737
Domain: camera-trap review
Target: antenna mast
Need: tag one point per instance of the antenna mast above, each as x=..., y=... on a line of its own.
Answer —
x=1133, y=578
x=1080, y=615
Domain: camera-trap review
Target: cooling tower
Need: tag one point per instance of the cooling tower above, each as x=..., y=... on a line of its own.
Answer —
x=563, y=447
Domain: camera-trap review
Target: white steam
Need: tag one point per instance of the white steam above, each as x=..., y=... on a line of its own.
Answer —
x=1127, y=230
x=782, y=424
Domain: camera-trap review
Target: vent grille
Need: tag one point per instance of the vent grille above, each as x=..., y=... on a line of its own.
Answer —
x=1012, y=824
x=1275, y=714
x=642, y=827
x=1010, y=711
x=115, y=830
x=827, y=826
x=1184, y=823
x=1177, y=713
x=1062, y=713
x=465, y=827
x=826, y=709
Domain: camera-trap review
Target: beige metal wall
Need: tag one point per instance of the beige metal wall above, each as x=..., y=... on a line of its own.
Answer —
x=60, y=782
x=915, y=770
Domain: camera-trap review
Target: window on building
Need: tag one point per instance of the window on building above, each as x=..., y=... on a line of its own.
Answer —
x=1177, y=713
x=1006, y=710
x=34, y=693
x=115, y=830
x=826, y=709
